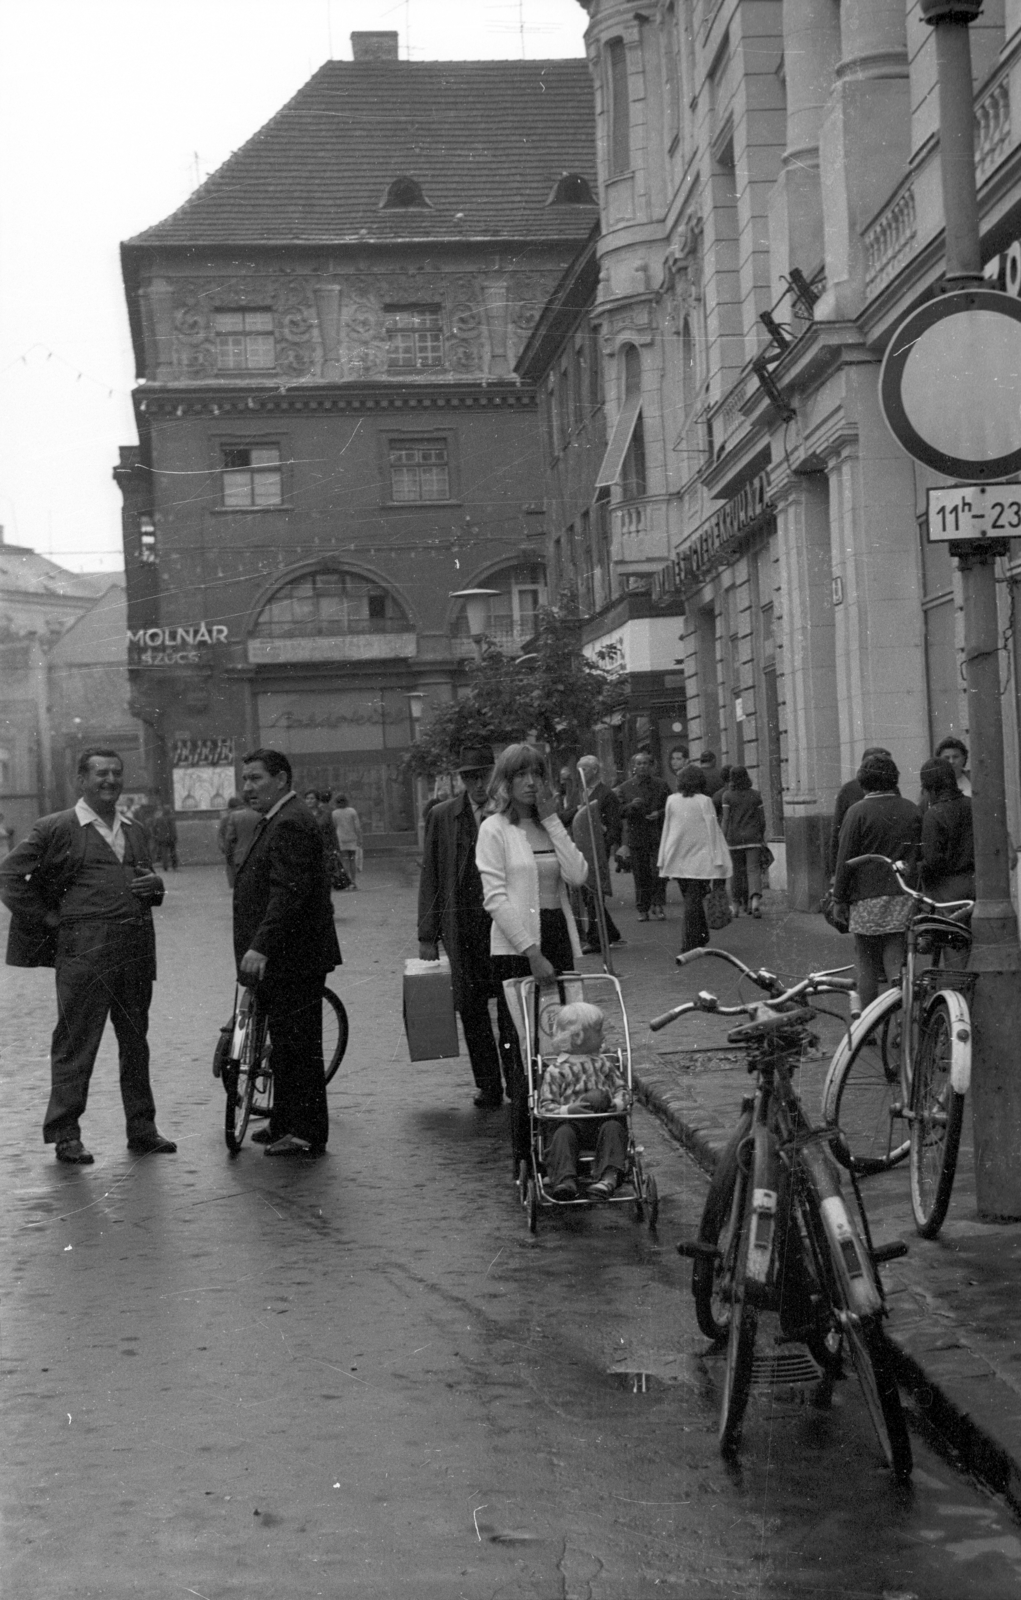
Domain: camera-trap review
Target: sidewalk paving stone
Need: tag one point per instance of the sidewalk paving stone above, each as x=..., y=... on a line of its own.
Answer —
x=955, y=1301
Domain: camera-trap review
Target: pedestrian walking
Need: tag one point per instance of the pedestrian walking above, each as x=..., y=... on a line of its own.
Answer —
x=285, y=941
x=714, y=779
x=948, y=844
x=163, y=834
x=348, y=829
x=235, y=834
x=743, y=820
x=956, y=752
x=81, y=889
x=527, y=863
x=595, y=839
x=677, y=760
x=847, y=796
x=881, y=823
x=643, y=801
x=694, y=851
x=451, y=913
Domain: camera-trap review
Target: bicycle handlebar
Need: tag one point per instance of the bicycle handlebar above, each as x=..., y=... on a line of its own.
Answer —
x=814, y=983
x=765, y=980
x=898, y=868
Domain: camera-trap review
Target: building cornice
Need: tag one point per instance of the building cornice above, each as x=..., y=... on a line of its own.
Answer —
x=160, y=402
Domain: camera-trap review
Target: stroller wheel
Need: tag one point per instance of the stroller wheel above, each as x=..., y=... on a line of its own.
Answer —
x=522, y=1179
x=532, y=1205
x=652, y=1201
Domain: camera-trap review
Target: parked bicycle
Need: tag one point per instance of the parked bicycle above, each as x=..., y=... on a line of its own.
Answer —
x=906, y=1063
x=777, y=1233
x=243, y=1059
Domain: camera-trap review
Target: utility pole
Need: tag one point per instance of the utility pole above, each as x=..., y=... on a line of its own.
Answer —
x=996, y=955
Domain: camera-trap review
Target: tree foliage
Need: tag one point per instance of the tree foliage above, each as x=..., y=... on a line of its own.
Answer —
x=556, y=696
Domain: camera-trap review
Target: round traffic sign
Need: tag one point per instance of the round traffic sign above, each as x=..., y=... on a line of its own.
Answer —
x=950, y=384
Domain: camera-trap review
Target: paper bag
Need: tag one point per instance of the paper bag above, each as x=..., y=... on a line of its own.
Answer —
x=429, y=1019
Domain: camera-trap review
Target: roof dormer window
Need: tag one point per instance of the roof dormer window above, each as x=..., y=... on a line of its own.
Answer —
x=405, y=194
x=571, y=190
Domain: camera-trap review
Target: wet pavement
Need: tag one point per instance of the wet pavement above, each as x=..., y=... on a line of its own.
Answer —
x=362, y=1376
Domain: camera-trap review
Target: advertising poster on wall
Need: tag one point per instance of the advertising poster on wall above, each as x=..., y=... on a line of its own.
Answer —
x=203, y=774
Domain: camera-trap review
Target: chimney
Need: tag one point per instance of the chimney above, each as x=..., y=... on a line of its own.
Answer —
x=374, y=46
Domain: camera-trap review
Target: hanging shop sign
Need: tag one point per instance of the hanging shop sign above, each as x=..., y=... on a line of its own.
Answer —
x=719, y=539
x=173, y=646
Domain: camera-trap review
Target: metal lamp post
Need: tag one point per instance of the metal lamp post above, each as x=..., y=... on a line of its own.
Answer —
x=416, y=704
x=995, y=956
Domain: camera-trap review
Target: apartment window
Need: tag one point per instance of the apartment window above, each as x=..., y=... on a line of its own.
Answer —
x=252, y=477
x=330, y=604
x=414, y=336
x=578, y=384
x=419, y=470
x=620, y=110
x=595, y=370
x=244, y=341
x=564, y=402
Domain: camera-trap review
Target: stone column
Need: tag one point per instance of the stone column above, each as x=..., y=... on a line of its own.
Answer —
x=811, y=724
x=811, y=44
x=864, y=142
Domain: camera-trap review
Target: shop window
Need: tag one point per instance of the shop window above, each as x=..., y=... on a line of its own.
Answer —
x=513, y=610
x=252, y=477
x=419, y=470
x=619, y=151
x=329, y=604
x=414, y=337
x=244, y=341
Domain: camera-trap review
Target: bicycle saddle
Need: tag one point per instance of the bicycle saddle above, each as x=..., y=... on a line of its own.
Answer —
x=765, y=1027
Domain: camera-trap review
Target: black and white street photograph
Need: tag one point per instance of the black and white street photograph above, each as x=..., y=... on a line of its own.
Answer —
x=510, y=799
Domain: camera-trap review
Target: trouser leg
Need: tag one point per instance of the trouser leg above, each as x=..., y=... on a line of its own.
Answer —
x=295, y=1012
x=611, y=1149
x=641, y=863
x=129, y=1012
x=739, y=885
x=83, y=1004
x=561, y=1153
x=480, y=1043
x=753, y=869
x=696, y=929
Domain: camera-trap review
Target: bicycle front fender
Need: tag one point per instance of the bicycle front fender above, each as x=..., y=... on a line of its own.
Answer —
x=960, y=1034
x=873, y=1014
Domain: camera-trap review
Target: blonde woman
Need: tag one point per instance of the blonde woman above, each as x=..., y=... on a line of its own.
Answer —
x=694, y=851
x=527, y=862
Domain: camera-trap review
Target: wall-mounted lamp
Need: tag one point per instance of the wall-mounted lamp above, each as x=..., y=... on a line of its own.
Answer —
x=476, y=606
x=772, y=390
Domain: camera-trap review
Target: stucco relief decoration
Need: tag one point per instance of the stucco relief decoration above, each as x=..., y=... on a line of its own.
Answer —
x=290, y=299
x=464, y=347
x=529, y=293
x=363, y=331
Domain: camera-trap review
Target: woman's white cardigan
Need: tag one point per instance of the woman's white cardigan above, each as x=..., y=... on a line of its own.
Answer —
x=510, y=882
x=692, y=844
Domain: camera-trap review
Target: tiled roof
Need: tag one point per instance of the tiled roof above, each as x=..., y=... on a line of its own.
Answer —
x=24, y=571
x=486, y=141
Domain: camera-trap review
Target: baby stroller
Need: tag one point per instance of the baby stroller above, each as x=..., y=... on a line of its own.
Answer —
x=535, y=1011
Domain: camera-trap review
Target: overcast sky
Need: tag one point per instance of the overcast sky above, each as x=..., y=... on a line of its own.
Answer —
x=111, y=111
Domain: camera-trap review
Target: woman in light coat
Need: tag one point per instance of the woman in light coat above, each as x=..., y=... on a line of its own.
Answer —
x=693, y=850
x=527, y=861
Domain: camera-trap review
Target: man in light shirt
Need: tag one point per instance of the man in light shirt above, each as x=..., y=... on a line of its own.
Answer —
x=80, y=889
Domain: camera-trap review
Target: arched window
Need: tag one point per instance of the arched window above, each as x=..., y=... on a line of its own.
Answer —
x=328, y=604
x=513, y=610
x=632, y=475
x=404, y=194
x=571, y=190
x=618, y=109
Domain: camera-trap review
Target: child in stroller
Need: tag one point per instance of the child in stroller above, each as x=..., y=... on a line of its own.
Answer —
x=583, y=1082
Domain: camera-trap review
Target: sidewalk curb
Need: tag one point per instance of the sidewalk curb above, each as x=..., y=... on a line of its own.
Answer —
x=948, y=1405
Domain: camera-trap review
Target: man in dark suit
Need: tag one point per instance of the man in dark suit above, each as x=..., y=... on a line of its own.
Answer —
x=450, y=911
x=80, y=889
x=285, y=941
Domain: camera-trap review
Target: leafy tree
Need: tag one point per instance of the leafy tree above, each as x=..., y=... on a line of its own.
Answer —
x=556, y=695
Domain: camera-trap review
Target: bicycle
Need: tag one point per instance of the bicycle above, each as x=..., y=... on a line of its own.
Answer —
x=242, y=1059
x=777, y=1234
x=908, y=1059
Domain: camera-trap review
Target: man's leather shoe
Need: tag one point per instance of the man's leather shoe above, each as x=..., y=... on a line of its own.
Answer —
x=152, y=1144
x=262, y=1136
x=74, y=1153
x=488, y=1102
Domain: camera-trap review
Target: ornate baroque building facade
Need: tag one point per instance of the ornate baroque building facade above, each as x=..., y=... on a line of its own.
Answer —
x=332, y=436
x=770, y=209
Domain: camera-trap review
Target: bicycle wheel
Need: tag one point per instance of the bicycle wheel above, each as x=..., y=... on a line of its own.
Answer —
x=873, y=1364
x=737, y=1379
x=864, y=1092
x=335, y=1032
x=240, y=1088
x=937, y=1114
x=712, y=1309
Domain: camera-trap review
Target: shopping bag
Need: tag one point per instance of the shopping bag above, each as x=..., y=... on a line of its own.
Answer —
x=717, y=906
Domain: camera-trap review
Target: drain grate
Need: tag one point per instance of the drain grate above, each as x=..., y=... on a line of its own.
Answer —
x=787, y=1366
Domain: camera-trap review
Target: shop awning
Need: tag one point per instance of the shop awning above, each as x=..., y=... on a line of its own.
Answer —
x=616, y=450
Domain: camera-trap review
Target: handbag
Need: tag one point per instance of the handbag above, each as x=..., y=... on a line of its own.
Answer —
x=835, y=912
x=339, y=878
x=717, y=906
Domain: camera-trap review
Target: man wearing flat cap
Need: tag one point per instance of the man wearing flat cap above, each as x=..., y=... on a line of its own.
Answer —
x=451, y=913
